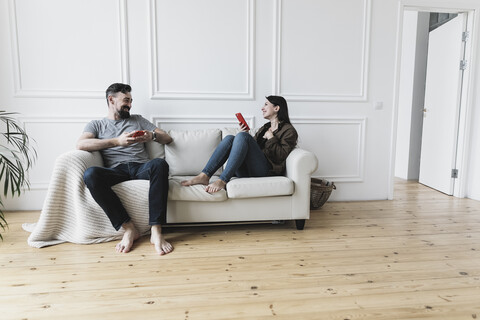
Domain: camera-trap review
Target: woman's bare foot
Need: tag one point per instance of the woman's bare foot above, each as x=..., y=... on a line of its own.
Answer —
x=201, y=178
x=156, y=238
x=131, y=234
x=215, y=186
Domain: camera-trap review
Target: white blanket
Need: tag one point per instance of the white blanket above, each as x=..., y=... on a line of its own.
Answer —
x=70, y=214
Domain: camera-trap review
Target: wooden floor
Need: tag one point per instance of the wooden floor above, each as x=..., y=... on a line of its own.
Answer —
x=416, y=257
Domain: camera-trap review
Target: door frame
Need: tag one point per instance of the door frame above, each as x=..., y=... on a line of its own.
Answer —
x=471, y=9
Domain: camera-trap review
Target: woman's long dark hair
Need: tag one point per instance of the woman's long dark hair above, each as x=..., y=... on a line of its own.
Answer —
x=282, y=103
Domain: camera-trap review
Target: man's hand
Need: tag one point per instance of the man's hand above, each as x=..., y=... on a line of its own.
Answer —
x=128, y=138
x=125, y=139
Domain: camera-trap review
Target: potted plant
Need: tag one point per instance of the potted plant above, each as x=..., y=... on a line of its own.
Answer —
x=16, y=158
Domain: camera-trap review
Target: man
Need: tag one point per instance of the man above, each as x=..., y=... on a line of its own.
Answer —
x=120, y=138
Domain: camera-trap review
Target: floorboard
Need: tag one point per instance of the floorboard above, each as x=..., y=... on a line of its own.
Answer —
x=415, y=257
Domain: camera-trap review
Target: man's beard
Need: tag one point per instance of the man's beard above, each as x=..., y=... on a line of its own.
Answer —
x=124, y=114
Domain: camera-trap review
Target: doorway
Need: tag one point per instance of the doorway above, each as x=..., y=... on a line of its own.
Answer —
x=419, y=143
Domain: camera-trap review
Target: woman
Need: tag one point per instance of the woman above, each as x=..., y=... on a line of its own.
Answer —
x=259, y=156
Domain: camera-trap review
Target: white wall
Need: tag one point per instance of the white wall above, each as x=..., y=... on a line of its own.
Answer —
x=193, y=64
x=471, y=188
x=472, y=174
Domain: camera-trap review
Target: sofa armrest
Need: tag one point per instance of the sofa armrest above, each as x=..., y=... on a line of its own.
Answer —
x=300, y=166
x=66, y=184
x=81, y=159
x=69, y=212
x=70, y=166
x=300, y=163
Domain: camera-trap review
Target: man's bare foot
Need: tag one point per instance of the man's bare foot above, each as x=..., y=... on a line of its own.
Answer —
x=215, y=186
x=201, y=178
x=131, y=234
x=156, y=238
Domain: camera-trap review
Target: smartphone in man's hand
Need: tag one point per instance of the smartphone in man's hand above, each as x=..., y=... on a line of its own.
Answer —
x=138, y=133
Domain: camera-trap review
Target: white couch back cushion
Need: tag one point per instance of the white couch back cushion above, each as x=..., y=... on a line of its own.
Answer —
x=190, y=150
x=155, y=150
x=235, y=130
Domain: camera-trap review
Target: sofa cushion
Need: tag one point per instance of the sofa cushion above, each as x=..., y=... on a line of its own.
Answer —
x=230, y=131
x=192, y=193
x=190, y=150
x=259, y=187
x=155, y=150
x=234, y=130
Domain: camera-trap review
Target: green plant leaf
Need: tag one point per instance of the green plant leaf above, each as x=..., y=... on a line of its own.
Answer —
x=17, y=156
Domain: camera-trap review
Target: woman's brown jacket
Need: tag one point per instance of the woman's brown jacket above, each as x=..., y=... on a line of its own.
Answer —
x=279, y=147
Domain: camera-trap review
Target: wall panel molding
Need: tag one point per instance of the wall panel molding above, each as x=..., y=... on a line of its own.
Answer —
x=159, y=93
x=355, y=158
x=359, y=94
x=327, y=148
x=177, y=122
x=48, y=130
x=354, y=129
x=22, y=91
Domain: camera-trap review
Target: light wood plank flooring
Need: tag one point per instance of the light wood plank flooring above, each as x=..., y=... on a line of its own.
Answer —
x=416, y=257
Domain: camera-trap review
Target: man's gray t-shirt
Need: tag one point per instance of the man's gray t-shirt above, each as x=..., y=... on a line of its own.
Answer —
x=107, y=129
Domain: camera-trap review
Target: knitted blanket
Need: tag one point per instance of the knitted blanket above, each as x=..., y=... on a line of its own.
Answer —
x=70, y=214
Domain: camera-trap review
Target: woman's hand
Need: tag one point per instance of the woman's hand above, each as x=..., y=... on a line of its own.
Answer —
x=268, y=134
x=243, y=127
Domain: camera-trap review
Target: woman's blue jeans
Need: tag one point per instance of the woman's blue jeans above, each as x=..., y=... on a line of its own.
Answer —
x=245, y=158
x=100, y=180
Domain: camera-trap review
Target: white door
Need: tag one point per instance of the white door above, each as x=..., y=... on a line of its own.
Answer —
x=442, y=105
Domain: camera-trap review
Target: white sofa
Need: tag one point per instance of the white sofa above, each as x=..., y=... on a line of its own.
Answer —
x=70, y=213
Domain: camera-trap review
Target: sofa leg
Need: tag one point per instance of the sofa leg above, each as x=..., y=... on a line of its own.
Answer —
x=300, y=224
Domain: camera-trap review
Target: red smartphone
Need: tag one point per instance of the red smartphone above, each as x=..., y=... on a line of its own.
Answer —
x=242, y=120
x=138, y=133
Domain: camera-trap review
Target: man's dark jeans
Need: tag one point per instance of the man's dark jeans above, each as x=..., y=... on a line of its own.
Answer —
x=100, y=180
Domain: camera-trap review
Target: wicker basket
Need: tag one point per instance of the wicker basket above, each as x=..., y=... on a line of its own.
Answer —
x=320, y=192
